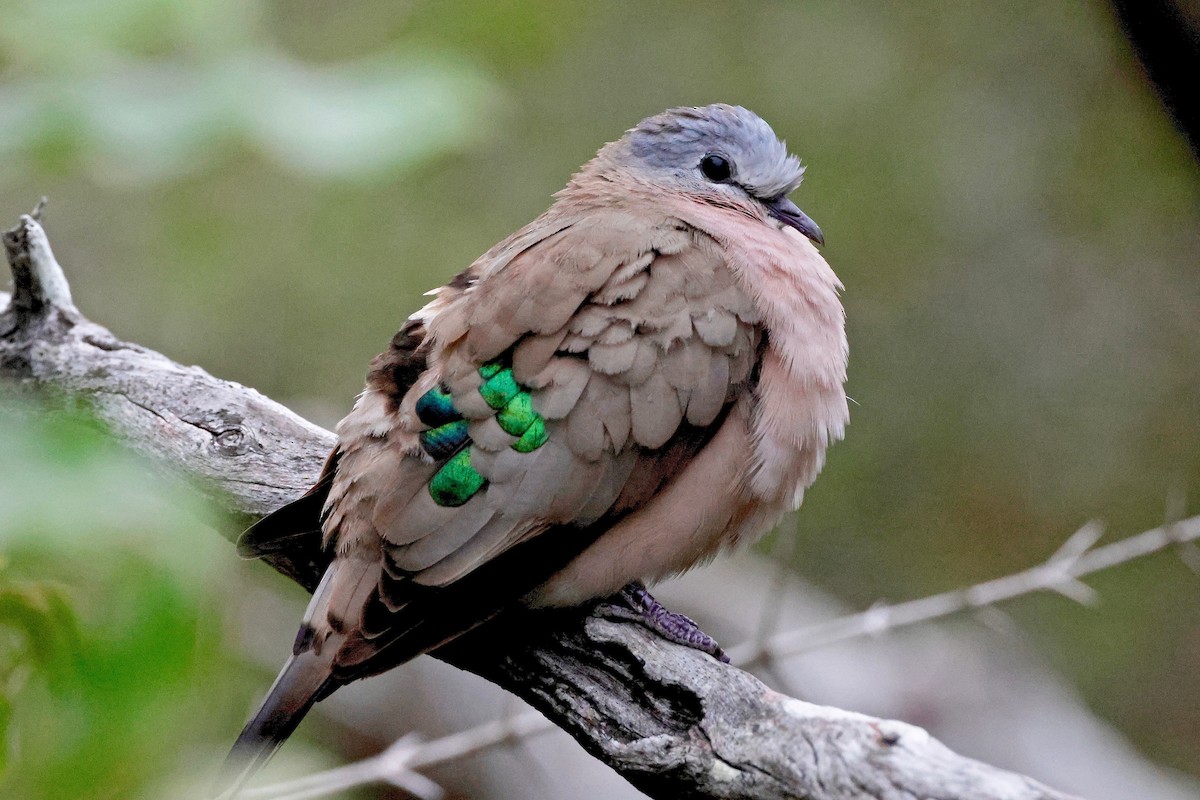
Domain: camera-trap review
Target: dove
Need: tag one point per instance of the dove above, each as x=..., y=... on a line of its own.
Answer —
x=648, y=373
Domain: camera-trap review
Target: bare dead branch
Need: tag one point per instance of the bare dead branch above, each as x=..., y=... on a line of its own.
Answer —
x=671, y=720
x=1073, y=560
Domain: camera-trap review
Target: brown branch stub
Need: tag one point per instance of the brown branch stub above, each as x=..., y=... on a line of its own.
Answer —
x=673, y=721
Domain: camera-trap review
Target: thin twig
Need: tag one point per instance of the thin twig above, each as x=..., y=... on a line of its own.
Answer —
x=1060, y=573
x=397, y=764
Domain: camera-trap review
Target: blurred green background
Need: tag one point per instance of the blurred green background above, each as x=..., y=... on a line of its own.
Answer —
x=266, y=189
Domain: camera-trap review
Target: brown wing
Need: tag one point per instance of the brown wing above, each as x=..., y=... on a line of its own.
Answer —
x=618, y=360
x=290, y=538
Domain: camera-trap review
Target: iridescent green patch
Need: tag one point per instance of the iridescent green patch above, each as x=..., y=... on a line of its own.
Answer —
x=457, y=481
x=436, y=407
x=518, y=415
x=514, y=405
x=500, y=388
x=534, y=436
x=488, y=370
x=442, y=441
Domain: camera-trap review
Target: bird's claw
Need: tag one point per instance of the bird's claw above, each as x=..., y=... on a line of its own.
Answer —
x=635, y=604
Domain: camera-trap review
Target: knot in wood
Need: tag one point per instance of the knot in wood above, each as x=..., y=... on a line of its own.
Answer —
x=231, y=442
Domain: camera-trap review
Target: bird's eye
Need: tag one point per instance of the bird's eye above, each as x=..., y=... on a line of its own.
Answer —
x=716, y=168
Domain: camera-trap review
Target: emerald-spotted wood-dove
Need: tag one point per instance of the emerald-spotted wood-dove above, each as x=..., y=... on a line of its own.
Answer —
x=647, y=373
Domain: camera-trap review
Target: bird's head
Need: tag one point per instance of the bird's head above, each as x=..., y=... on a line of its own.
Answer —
x=718, y=154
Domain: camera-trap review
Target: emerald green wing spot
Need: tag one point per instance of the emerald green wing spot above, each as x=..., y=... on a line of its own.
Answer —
x=442, y=441
x=489, y=370
x=436, y=407
x=500, y=388
x=533, y=437
x=457, y=481
x=518, y=415
x=514, y=407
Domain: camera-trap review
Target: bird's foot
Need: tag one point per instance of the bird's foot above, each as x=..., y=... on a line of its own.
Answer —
x=634, y=603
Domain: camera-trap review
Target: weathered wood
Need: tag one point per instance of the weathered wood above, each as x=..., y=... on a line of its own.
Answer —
x=673, y=721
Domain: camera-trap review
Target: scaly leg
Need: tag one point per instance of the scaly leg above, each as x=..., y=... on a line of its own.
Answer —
x=634, y=603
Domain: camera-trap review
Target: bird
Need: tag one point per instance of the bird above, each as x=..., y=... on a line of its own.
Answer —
x=648, y=373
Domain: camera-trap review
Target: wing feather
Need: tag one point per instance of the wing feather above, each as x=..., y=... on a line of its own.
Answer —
x=459, y=527
x=655, y=412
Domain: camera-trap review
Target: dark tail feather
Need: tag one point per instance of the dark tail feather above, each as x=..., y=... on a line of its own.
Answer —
x=289, y=538
x=304, y=680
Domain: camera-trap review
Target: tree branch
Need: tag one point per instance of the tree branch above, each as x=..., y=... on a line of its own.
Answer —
x=671, y=720
x=1075, y=559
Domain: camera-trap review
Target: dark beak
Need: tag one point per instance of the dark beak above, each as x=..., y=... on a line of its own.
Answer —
x=789, y=214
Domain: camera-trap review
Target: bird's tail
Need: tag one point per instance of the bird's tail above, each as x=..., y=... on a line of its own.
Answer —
x=303, y=681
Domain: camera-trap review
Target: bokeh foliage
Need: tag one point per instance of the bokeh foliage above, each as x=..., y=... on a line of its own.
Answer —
x=112, y=666
x=267, y=188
